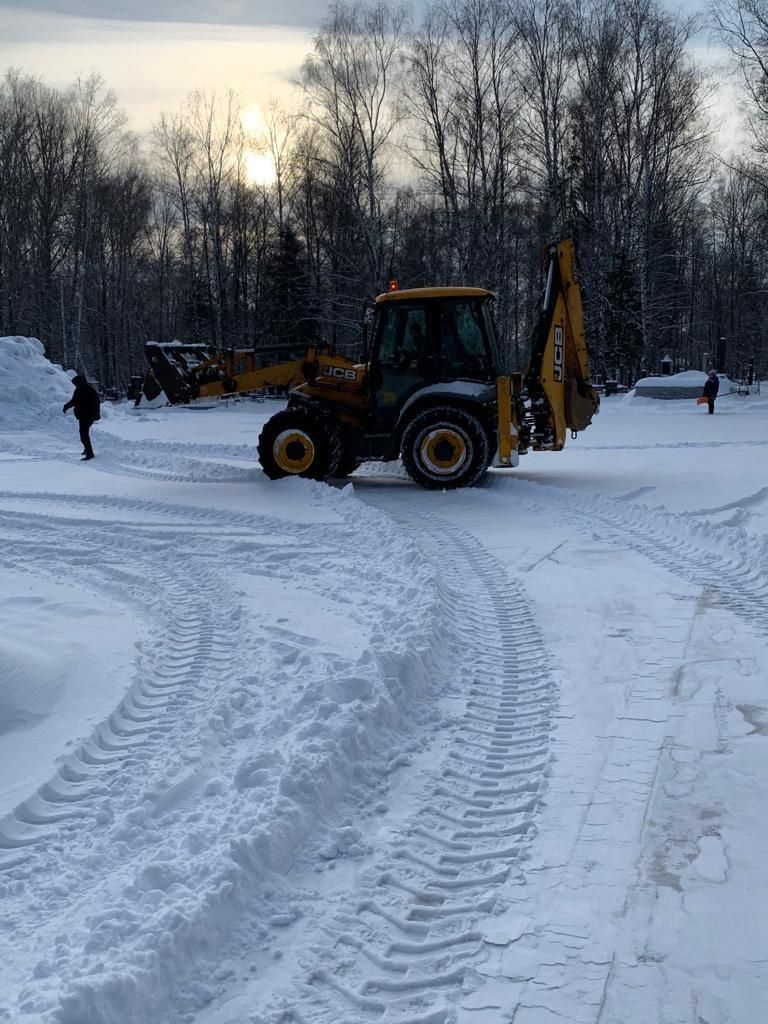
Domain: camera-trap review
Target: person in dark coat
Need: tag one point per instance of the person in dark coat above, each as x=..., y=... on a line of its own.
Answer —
x=85, y=402
x=711, y=387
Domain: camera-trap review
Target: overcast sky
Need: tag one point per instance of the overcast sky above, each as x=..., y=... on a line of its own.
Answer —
x=218, y=12
x=152, y=53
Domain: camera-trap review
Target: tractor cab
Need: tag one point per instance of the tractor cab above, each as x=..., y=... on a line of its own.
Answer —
x=427, y=336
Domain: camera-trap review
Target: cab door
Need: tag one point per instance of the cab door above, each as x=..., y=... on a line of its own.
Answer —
x=403, y=356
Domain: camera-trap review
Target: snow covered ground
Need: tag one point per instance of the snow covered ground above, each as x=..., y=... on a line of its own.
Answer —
x=281, y=752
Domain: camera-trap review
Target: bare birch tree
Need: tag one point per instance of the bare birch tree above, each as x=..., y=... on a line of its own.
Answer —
x=348, y=81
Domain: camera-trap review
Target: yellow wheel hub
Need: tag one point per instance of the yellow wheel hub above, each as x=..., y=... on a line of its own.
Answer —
x=443, y=451
x=294, y=451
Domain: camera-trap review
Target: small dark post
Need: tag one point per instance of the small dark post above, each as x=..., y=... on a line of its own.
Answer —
x=720, y=355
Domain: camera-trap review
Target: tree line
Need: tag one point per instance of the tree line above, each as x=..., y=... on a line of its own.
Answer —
x=445, y=153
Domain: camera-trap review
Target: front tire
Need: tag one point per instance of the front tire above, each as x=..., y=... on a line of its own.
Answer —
x=445, y=447
x=300, y=442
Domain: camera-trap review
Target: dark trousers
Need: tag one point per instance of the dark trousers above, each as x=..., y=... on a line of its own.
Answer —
x=711, y=404
x=85, y=437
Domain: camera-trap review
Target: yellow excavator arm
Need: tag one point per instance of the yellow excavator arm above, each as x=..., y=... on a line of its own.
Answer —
x=557, y=379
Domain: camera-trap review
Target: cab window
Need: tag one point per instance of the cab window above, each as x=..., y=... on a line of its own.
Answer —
x=403, y=352
x=462, y=340
x=403, y=336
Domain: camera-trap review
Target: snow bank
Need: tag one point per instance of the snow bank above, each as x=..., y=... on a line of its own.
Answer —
x=688, y=378
x=32, y=389
x=687, y=384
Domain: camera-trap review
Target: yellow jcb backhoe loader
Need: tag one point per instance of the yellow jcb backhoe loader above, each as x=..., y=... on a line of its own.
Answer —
x=430, y=389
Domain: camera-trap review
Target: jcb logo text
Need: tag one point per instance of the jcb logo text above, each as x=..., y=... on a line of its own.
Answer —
x=339, y=373
x=558, y=368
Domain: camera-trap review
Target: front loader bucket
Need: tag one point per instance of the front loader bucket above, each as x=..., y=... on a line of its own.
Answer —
x=172, y=371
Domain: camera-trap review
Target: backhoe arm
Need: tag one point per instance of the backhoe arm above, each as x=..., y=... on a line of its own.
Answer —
x=557, y=379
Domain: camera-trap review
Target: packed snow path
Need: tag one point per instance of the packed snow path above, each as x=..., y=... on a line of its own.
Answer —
x=378, y=754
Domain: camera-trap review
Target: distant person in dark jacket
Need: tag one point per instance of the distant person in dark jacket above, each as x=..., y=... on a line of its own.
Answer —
x=86, y=404
x=711, y=387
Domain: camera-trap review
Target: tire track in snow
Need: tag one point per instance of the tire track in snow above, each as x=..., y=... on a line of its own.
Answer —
x=96, y=826
x=410, y=944
x=191, y=636
x=150, y=460
x=725, y=561
x=165, y=685
x=758, y=498
x=730, y=566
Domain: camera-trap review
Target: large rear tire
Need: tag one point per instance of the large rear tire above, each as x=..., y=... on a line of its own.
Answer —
x=300, y=442
x=445, y=447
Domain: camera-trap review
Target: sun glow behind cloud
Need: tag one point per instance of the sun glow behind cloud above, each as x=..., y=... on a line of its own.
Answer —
x=260, y=168
x=253, y=121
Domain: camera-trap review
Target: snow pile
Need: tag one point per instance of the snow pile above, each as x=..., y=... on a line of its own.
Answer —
x=687, y=378
x=32, y=389
x=687, y=384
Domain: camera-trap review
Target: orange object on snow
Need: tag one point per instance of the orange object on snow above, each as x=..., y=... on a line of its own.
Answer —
x=701, y=401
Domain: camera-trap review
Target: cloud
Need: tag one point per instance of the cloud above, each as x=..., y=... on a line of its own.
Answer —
x=301, y=13
x=152, y=67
